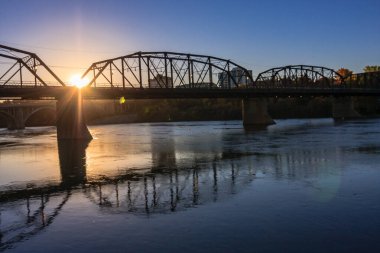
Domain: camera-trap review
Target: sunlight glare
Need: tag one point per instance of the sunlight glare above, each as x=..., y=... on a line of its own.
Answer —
x=79, y=82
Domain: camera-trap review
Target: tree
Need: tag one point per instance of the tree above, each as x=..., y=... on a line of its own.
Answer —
x=344, y=72
x=371, y=68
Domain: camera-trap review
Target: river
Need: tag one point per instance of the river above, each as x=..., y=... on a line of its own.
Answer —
x=309, y=185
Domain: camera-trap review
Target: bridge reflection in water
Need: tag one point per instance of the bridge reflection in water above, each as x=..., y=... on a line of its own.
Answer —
x=72, y=160
x=159, y=189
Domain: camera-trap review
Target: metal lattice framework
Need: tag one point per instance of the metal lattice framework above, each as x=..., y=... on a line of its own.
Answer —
x=299, y=75
x=152, y=74
x=18, y=68
x=167, y=70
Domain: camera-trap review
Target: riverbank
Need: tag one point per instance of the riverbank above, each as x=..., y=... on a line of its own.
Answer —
x=223, y=109
x=139, y=111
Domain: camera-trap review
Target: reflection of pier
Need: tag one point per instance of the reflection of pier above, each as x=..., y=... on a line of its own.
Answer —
x=72, y=159
x=26, y=212
x=163, y=151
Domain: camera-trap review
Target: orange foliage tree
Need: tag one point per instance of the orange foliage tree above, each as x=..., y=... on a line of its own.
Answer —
x=344, y=72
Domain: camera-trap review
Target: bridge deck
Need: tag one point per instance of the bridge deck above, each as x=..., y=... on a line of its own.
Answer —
x=168, y=93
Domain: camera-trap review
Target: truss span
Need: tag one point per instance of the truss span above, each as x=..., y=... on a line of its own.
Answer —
x=298, y=76
x=19, y=68
x=167, y=70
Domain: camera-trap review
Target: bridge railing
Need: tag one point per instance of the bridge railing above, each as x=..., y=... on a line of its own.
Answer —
x=17, y=84
x=298, y=83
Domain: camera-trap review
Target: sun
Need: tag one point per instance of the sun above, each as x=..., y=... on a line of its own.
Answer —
x=77, y=81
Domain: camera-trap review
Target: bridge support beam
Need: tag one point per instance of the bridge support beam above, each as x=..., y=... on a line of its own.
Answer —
x=343, y=108
x=19, y=122
x=15, y=118
x=255, y=112
x=70, y=119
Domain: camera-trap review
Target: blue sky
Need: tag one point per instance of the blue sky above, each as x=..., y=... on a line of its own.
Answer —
x=69, y=35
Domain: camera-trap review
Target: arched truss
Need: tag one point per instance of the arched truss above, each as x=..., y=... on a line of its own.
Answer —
x=167, y=70
x=299, y=75
x=20, y=68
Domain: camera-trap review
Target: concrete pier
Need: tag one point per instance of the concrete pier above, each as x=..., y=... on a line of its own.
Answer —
x=255, y=112
x=343, y=108
x=71, y=124
x=14, y=119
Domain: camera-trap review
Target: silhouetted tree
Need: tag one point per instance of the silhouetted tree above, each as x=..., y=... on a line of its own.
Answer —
x=371, y=68
x=344, y=72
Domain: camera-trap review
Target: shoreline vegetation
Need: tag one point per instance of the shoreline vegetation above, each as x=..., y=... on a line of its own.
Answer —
x=224, y=109
x=171, y=110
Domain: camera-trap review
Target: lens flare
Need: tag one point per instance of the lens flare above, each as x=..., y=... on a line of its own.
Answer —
x=79, y=82
x=122, y=100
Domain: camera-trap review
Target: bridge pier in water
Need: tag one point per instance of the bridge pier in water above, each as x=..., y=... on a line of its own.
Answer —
x=343, y=108
x=255, y=113
x=71, y=124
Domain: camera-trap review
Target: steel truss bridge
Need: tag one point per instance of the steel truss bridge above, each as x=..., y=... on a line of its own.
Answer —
x=24, y=75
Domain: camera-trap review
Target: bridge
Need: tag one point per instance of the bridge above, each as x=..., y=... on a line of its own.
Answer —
x=17, y=114
x=165, y=75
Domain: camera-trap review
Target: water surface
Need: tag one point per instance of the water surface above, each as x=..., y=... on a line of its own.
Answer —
x=298, y=186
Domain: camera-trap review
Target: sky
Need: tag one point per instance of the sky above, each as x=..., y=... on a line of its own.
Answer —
x=71, y=34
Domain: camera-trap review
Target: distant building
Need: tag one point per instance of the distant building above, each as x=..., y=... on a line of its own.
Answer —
x=238, y=76
x=161, y=81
